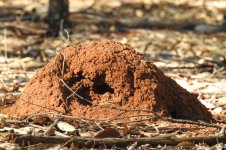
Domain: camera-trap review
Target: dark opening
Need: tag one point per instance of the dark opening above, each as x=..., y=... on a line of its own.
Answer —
x=100, y=85
x=74, y=79
x=173, y=114
x=131, y=81
x=84, y=93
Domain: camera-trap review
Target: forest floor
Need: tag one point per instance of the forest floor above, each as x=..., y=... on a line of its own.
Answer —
x=194, y=58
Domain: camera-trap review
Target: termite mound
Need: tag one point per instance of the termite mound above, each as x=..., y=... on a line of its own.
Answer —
x=100, y=80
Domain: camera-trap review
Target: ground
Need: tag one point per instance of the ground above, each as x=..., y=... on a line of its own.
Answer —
x=196, y=61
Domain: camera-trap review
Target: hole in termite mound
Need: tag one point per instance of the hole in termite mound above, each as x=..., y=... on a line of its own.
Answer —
x=101, y=86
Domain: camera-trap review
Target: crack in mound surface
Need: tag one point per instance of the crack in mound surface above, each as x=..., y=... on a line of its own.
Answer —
x=90, y=80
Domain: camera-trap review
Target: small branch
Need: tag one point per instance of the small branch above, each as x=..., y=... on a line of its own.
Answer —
x=51, y=126
x=121, y=142
x=222, y=131
x=133, y=146
x=23, y=29
x=82, y=98
x=153, y=116
x=189, y=122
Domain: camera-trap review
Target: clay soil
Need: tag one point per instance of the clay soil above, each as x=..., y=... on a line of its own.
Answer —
x=101, y=79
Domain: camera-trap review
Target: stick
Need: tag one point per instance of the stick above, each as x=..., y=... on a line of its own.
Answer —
x=109, y=142
x=47, y=132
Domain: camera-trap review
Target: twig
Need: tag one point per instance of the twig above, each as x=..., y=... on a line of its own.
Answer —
x=67, y=143
x=65, y=105
x=133, y=146
x=189, y=122
x=38, y=114
x=222, y=131
x=109, y=142
x=155, y=116
x=51, y=126
x=24, y=29
x=82, y=98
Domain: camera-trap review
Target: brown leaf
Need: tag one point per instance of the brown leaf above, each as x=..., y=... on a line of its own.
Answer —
x=42, y=120
x=108, y=132
x=125, y=129
x=88, y=134
x=73, y=146
x=185, y=144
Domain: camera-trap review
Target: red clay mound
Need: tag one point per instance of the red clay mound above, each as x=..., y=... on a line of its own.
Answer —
x=89, y=80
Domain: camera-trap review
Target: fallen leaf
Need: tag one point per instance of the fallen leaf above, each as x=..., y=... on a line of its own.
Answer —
x=88, y=134
x=208, y=105
x=108, y=132
x=41, y=120
x=185, y=144
x=125, y=128
x=51, y=132
x=24, y=130
x=73, y=146
x=7, y=145
x=217, y=110
x=66, y=127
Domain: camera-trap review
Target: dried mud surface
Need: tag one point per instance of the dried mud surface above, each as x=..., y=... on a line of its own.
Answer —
x=98, y=80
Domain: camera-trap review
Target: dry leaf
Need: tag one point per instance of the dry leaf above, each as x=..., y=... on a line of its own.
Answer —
x=64, y=126
x=73, y=146
x=125, y=129
x=217, y=110
x=108, y=132
x=51, y=132
x=8, y=146
x=208, y=105
x=24, y=130
x=42, y=120
x=88, y=134
x=185, y=144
